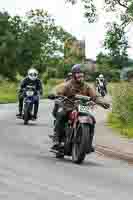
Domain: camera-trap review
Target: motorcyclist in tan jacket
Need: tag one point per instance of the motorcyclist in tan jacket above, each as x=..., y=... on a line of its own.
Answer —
x=76, y=85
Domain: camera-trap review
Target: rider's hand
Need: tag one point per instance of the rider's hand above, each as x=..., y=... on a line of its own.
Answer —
x=51, y=96
x=106, y=105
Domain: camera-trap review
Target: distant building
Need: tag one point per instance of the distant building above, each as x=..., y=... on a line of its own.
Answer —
x=74, y=50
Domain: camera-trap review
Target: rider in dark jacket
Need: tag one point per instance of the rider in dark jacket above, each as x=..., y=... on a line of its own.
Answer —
x=32, y=80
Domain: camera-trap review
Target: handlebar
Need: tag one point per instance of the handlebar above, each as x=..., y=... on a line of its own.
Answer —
x=77, y=97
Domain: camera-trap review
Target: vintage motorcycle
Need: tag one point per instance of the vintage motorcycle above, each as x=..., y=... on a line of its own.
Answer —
x=79, y=129
x=30, y=97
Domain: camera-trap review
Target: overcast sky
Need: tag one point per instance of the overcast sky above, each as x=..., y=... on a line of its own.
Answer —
x=71, y=18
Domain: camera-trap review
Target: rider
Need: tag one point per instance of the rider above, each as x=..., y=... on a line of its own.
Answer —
x=57, y=102
x=76, y=86
x=99, y=79
x=32, y=80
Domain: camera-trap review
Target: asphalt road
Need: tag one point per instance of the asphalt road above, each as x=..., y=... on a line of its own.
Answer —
x=28, y=171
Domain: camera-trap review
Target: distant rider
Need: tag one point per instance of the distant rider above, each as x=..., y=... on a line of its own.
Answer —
x=100, y=79
x=32, y=80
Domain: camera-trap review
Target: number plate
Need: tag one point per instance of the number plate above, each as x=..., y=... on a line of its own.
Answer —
x=85, y=109
x=29, y=93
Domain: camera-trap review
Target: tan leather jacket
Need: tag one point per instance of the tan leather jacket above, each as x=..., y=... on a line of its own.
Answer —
x=71, y=88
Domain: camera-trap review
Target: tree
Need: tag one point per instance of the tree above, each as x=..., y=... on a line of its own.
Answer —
x=8, y=45
x=34, y=40
x=116, y=45
x=124, y=7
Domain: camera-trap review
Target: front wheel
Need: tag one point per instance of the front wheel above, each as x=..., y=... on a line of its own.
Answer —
x=26, y=113
x=103, y=93
x=81, y=143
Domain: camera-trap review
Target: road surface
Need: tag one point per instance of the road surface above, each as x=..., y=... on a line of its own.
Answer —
x=28, y=171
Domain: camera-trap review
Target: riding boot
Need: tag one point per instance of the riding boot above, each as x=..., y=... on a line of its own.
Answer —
x=36, y=106
x=91, y=147
x=20, y=107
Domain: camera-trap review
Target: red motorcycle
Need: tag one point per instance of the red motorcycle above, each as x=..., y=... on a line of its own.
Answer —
x=79, y=129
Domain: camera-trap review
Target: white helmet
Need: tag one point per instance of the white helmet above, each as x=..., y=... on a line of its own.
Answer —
x=33, y=74
x=101, y=76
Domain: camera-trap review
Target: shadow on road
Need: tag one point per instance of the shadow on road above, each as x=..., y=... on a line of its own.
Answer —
x=33, y=124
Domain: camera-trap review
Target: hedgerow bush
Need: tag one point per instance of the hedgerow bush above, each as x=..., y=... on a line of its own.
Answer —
x=122, y=105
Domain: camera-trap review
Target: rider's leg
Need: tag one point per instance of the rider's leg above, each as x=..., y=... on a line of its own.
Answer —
x=55, y=109
x=61, y=118
x=20, y=105
x=36, y=106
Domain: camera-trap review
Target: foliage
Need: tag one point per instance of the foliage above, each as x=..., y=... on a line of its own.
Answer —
x=116, y=44
x=51, y=83
x=115, y=122
x=7, y=92
x=123, y=7
x=34, y=41
x=121, y=117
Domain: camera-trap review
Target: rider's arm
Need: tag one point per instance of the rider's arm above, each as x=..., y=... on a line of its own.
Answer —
x=98, y=100
x=22, y=85
x=40, y=86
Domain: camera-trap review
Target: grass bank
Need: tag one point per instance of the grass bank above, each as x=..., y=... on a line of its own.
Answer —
x=121, y=118
x=8, y=90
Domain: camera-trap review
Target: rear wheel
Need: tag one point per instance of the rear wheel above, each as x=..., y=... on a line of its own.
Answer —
x=81, y=143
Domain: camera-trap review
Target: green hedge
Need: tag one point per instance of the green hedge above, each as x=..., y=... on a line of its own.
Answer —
x=51, y=83
x=8, y=92
x=122, y=107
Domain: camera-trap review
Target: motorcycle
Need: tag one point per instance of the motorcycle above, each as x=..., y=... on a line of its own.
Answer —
x=29, y=98
x=79, y=129
x=101, y=89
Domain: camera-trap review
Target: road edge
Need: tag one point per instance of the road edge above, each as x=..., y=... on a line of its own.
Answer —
x=115, y=153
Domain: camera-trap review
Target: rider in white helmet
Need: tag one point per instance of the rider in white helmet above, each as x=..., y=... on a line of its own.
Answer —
x=33, y=80
x=99, y=79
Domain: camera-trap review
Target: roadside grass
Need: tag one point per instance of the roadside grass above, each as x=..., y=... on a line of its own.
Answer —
x=8, y=90
x=121, y=118
x=115, y=123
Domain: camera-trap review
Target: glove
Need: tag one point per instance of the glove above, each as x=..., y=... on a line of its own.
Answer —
x=106, y=105
x=51, y=96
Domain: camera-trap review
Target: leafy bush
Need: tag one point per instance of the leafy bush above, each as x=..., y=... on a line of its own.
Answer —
x=122, y=108
x=115, y=122
x=7, y=92
x=51, y=83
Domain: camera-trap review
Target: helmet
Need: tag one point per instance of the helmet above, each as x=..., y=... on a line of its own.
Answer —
x=101, y=76
x=32, y=74
x=78, y=68
x=76, y=73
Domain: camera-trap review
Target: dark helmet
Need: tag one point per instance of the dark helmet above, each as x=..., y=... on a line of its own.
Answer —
x=78, y=68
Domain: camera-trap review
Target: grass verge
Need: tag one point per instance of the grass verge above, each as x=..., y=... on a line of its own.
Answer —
x=8, y=90
x=115, y=123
